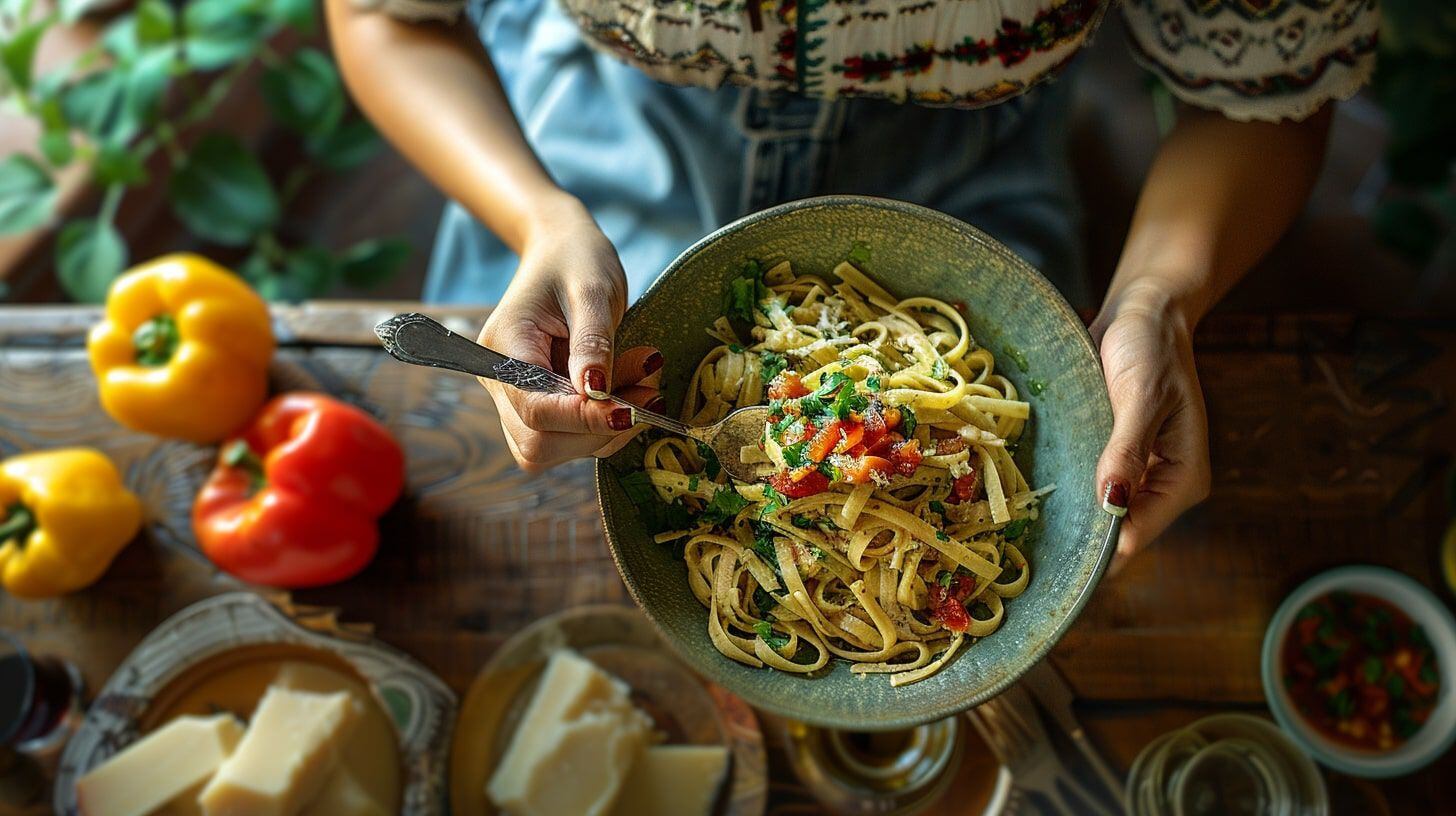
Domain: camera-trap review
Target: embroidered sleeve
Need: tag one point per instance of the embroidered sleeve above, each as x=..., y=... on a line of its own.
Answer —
x=415, y=11
x=1263, y=60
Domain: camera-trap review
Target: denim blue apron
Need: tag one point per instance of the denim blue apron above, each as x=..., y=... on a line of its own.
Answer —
x=660, y=166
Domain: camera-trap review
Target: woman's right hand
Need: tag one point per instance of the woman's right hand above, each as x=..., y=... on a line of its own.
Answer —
x=561, y=311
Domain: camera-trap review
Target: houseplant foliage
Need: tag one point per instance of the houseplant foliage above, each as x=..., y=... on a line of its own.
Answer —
x=152, y=83
x=1415, y=80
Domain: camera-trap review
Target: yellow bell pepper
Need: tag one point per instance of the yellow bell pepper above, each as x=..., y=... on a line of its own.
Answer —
x=64, y=515
x=183, y=350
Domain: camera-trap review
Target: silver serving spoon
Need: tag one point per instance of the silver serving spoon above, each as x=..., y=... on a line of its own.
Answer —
x=419, y=340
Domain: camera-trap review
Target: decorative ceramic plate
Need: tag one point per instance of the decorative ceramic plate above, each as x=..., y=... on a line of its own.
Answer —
x=224, y=650
x=1039, y=343
x=621, y=641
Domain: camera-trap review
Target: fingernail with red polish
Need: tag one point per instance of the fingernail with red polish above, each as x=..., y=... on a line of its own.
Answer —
x=1114, y=497
x=656, y=405
x=596, y=383
x=620, y=419
x=652, y=363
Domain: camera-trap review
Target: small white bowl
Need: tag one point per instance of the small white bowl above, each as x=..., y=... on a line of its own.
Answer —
x=1424, y=609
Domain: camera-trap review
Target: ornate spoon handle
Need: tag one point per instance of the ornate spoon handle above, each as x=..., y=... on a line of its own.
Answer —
x=420, y=340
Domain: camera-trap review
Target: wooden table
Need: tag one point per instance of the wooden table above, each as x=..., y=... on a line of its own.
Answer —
x=1332, y=438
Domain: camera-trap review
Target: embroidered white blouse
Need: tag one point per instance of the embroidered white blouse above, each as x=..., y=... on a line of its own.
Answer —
x=1250, y=59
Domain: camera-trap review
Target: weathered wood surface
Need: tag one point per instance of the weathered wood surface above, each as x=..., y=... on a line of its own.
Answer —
x=1332, y=438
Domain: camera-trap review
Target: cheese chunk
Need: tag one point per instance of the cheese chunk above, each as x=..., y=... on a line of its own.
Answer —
x=575, y=744
x=674, y=780
x=159, y=767
x=290, y=749
x=344, y=796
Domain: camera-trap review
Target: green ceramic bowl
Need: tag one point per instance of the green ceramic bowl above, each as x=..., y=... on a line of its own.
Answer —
x=1039, y=343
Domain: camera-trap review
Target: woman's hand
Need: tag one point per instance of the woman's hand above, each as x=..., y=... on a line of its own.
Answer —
x=1156, y=463
x=561, y=312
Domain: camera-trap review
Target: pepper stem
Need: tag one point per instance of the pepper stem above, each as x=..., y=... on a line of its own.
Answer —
x=18, y=524
x=239, y=454
x=156, y=340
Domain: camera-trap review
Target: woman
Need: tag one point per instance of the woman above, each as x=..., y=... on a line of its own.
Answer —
x=592, y=140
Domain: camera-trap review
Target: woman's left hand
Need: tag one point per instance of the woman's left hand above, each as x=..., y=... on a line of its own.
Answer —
x=1156, y=463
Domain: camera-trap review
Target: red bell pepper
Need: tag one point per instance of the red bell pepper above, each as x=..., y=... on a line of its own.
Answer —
x=295, y=501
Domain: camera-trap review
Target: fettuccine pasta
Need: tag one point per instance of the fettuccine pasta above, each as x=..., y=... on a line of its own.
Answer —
x=883, y=528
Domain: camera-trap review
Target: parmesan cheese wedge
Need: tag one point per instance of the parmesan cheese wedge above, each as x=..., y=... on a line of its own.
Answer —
x=286, y=757
x=576, y=742
x=674, y=780
x=159, y=767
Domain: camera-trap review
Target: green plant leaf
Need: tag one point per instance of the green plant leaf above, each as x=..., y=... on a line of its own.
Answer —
x=304, y=92
x=304, y=273
x=222, y=194
x=118, y=165
x=221, y=32
x=346, y=146
x=370, y=263
x=56, y=146
x=96, y=105
x=147, y=79
x=17, y=53
x=89, y=256
x=155, y=22
x=27, y=194
x=298, y=13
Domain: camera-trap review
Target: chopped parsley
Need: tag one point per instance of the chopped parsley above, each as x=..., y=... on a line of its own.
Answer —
x=724, y=505
x=907, y=420
x=1013, y=531
x=763, y=544
x=771, y=364
x=944, y=578
x=693, y=482
x=765, y=602
x=812, y=405
x=939, y=534
x=832, y=383
x=794, y=455
x=775, y=500
x=818, y=554
x=833, y=473
x=735, y=348
x=859, y=252
x=744, y=292
x=873, y=383
x=710, y=461
x=1014, y=354
x=803, y=522
x=938, y=369
x=766, y=633
x=1035, y=387
x=938, y=506
x=658, y=516
x=849, y=401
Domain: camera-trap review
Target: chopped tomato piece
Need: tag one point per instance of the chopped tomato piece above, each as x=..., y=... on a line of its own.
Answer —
x=799, y=474
x=950, y=613
x=906, y=456
x=812, y=483
x=892, y=417
x=824, y=441
x=961, y=587
x=965, y=488
x=861, y=470
x=884, y=444
x=853, y=434
x=787, y=385
x=949, y=445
